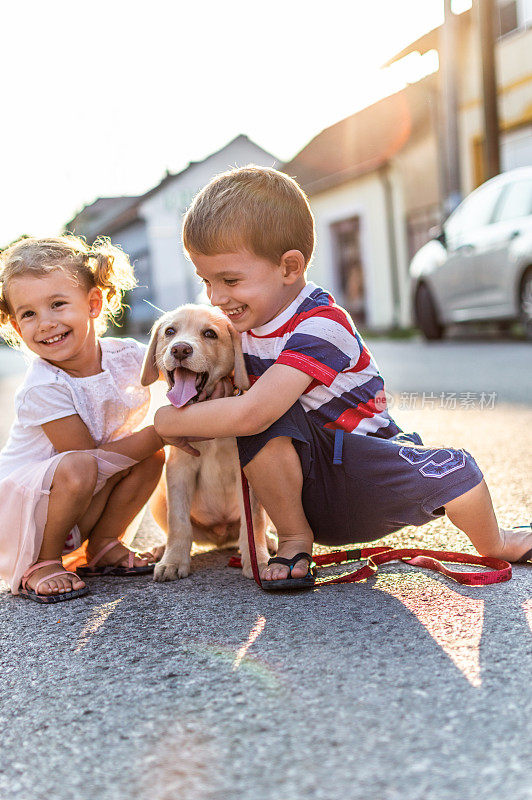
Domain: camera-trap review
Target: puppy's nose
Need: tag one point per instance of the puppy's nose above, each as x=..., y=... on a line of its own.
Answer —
x=181, y=350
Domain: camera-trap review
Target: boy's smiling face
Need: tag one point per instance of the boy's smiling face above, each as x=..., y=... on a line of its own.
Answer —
x=249, y=289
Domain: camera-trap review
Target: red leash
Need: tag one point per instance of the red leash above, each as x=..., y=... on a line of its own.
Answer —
x=430, y=559
x=251, y=532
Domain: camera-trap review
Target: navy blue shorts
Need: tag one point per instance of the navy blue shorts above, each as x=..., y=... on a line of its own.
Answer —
x=359, y=488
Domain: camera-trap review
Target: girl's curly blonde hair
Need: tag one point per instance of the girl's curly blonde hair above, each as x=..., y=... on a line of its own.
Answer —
x=102, y=265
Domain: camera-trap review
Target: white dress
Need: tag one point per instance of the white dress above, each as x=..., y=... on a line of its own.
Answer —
x=112, y=404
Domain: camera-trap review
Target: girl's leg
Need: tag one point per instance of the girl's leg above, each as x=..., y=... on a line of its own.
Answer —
x=277, y=480
x=71, y=492
x=473, y=513
x=115, y=507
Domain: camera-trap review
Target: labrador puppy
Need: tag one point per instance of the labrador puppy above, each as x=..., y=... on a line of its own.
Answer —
x=200, y=499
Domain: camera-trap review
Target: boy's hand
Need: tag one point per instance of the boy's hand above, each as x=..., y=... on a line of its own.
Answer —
x=224, y=388
x=183, y=442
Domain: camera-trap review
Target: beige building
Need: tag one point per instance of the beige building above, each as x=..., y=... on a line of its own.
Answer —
x=375, y=179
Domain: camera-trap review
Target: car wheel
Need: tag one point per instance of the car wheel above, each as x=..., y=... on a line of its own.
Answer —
x=426, y=314
x=525, y=304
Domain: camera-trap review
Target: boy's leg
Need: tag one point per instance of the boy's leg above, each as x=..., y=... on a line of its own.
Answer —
x=473, y=514
x=277, y=479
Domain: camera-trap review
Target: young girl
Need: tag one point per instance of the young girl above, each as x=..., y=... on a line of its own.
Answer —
x=72, y=469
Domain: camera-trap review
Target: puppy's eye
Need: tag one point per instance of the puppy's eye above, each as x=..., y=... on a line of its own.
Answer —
x=169, y=332
x=210, y=334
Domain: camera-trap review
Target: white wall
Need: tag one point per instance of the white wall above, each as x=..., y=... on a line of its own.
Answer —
x=174, y=279
x=134, y=241
x=363, y=197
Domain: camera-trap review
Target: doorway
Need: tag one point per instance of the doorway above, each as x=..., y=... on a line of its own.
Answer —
x=348, y=263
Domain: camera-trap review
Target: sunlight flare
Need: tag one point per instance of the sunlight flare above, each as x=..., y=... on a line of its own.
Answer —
x=527, y=608
x=254, y=634
x=99, y=615
x=453, y=620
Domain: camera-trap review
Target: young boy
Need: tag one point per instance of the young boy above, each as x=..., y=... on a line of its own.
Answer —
x=250, y=235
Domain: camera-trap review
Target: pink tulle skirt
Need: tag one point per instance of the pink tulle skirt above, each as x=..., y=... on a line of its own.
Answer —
x=24, y=509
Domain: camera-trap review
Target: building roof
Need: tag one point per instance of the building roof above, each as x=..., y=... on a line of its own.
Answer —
x=111, y=214
x=364, y=141
x=171, y=175
x=432, y=39
x=98, y=215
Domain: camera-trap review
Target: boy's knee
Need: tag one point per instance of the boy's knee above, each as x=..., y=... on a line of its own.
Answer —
x=277, y=463
x=279, y=447
x=279, y=450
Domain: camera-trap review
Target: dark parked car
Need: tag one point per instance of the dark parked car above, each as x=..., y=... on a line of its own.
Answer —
x=479, y=268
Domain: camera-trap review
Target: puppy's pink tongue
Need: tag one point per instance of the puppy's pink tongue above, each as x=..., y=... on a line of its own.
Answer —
x=184, y=388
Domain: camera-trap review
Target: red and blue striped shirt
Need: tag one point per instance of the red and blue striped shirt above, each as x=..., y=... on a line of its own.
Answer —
x=319, y=338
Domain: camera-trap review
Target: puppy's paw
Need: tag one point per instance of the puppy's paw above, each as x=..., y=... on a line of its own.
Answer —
x=247, y=572
x=170, y=572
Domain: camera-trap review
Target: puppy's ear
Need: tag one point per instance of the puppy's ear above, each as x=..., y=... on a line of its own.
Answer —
x=150, y=370
x=241, y=379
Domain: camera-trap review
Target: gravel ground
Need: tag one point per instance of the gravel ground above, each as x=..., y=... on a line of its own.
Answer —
x=407, y=686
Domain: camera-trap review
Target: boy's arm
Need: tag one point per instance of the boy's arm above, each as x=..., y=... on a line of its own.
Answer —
x=267, y=400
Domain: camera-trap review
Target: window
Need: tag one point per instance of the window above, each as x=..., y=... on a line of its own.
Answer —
x=348, y=258
x=512, y=15
x=474, y=212
x=516, y=148
x=507, y=20
x=516, y=201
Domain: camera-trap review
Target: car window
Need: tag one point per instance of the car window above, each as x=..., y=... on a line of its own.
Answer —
x=474, y=212
x=478, y=207
x=516, y=201
x=452, y=226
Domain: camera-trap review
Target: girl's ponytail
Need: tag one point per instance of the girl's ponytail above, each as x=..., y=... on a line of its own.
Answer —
x=112, y=272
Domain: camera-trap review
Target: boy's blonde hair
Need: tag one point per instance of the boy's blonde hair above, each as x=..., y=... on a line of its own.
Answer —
x=252, y=208
x=102, y=265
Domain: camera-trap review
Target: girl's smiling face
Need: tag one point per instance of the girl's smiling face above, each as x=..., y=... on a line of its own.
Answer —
x=54, y=314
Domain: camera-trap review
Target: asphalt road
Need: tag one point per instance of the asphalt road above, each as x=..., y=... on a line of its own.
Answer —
x=407, y=686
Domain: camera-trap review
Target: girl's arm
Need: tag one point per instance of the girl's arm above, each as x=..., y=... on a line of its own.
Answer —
x=267, y=400
x=71, y=433
x=138, y=446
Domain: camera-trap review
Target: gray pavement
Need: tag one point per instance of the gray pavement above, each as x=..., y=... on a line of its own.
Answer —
x=450, y=366
x=407, y=686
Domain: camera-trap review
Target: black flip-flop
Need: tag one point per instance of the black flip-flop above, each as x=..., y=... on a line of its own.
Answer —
x=291, y=584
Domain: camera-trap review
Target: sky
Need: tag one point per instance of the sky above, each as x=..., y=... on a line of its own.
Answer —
x=100, y=99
